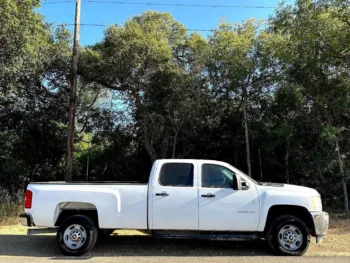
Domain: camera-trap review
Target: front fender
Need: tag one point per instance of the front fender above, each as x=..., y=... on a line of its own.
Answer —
x=270, y=199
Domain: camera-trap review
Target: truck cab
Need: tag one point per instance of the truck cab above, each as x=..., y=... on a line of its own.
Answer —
x=183, y=198
x=202, y=195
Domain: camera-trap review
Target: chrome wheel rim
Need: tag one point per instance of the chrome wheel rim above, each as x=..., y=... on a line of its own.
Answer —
x=290, y=237
x=74, y=237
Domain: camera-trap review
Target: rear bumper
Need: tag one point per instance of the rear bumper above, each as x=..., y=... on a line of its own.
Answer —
x=321, y=222
x=26, y=219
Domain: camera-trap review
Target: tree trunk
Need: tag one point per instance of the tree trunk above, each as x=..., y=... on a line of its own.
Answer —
x=236, y=157
x=343, y=180
x=174, y=146
x=164, y=146
x=345, y=193
x=246, y=131
x=260, y=164
x=141, y=118
x=149, y=148
x=287, y=163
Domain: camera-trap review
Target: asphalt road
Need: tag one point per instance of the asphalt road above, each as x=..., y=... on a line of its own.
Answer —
x=141, y=249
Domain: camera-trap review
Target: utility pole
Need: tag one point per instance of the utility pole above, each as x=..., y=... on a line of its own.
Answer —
x=73, y=94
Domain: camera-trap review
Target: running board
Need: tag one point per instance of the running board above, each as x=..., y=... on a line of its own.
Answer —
x=210, y=235
x=38, y=231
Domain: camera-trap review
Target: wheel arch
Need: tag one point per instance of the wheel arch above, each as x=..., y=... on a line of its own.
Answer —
x=293, y=210
x=66, y=209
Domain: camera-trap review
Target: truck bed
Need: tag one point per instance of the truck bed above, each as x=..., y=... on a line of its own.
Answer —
x=93, y=182
x=118, y=204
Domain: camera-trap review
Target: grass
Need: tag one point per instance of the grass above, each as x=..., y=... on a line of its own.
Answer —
x=9, y=213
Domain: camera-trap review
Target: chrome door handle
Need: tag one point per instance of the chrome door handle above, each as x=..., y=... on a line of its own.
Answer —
x=162, y=194
x=208, y=195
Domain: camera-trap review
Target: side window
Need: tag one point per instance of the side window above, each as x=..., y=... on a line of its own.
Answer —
x=176, y=174
x=217, y=176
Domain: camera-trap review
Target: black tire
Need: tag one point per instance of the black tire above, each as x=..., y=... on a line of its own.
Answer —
x=283, y=222
x=90, y=231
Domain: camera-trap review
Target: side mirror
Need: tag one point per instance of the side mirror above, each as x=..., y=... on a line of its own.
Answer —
x=243, y=185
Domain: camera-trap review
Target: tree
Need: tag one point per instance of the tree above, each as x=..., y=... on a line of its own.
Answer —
x=272, y=99
x=235, y=66
x=315, y=56
x=32, y=95
x=144, y=60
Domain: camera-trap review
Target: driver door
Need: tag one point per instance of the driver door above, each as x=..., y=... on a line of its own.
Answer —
x=222, y=207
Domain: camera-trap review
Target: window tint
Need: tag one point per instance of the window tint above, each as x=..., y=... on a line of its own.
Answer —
x=176, y=174
x=218, y=177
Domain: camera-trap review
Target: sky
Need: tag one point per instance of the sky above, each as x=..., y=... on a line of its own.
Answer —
x=112, y=13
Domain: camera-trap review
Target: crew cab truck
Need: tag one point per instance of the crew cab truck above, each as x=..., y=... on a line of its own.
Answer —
x=184, y=198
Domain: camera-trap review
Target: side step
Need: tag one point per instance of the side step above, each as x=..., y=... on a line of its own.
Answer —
x=38, y=231
x=233, y=236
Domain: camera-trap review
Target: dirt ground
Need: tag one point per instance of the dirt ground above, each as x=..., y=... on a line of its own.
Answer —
x=336, y=243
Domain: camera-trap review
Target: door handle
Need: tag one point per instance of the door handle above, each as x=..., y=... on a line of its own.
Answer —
x=208, y=195
x=162, y=194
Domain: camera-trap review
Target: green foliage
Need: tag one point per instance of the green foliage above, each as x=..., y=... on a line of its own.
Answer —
x=151, y=90
x=23, y=41
x=32, y=96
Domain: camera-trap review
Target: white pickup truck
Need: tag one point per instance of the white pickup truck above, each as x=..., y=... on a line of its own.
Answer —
x=184, y=198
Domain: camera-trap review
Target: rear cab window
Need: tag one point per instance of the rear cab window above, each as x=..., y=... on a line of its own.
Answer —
x=176, y=175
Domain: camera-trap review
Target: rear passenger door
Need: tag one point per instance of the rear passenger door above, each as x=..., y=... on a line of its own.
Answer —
x=175, y=196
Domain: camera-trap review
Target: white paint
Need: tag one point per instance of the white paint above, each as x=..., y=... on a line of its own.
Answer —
x=287, y=195
x=178, y=210
x=118, y=205
x=125, y=205
x=230, y=210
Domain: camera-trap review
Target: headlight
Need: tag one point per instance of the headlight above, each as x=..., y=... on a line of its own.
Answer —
x=316, y=203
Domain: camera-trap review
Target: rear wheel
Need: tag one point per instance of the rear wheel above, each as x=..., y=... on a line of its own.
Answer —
x=288, y=235
x=77, y=235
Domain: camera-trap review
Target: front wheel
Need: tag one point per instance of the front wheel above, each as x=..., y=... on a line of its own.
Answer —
x=288, y=235
x=77, y=235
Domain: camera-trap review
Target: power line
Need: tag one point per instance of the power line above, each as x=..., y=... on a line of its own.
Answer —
x=107, y=25
x=162, y=4
x=150, y=4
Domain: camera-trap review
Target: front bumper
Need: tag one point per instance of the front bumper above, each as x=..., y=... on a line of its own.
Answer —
x=26, y=219
x=321, y=222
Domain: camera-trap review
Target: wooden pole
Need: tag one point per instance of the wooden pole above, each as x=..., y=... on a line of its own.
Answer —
x=73, y=94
